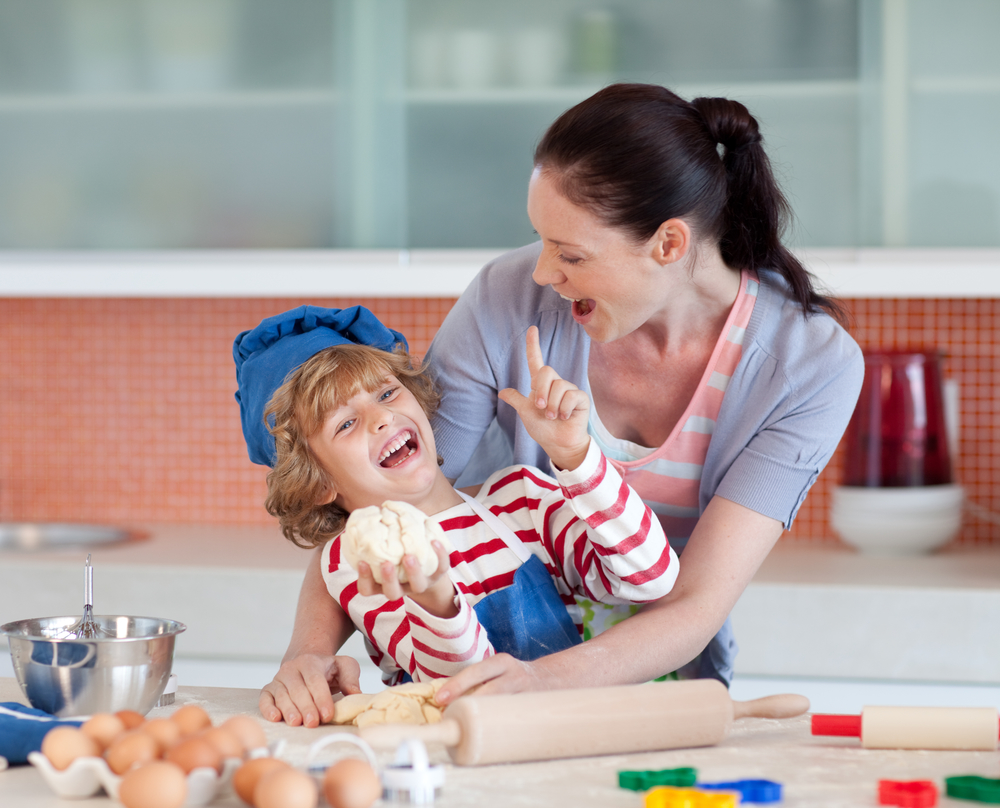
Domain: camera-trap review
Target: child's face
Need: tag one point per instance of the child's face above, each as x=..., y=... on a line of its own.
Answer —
x=377, y=446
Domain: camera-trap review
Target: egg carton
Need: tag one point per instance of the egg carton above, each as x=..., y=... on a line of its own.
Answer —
x=86, y=776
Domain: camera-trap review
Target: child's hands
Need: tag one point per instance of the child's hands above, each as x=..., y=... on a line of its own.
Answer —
x=435, y=593
x=302, y=690
x=556, y=411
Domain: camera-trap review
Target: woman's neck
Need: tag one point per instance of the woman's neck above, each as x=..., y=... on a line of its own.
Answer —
x=695, y=306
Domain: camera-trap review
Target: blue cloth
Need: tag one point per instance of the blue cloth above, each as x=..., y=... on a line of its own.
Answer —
x=22, y=729
x=267, y=354
x=528, y=619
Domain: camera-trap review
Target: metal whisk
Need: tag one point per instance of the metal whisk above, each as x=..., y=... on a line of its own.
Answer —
x=85, y=628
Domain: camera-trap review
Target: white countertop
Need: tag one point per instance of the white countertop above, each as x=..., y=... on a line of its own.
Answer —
x=235, y=588
x=844, y=272
x=817, y=610
x=814, y=771
x=813, y=610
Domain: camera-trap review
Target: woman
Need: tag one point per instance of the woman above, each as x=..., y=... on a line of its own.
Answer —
x=720, y=382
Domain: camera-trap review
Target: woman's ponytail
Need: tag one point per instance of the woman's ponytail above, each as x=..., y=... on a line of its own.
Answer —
x=756, y=212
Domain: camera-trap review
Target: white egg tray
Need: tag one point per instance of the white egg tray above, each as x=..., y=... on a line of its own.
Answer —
x=86, y=776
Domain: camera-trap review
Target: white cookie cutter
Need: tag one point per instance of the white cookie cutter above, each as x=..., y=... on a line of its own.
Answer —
x=411, y=778
x=329, y=740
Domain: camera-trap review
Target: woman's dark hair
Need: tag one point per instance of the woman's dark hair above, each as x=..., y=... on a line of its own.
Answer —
x=636, y=155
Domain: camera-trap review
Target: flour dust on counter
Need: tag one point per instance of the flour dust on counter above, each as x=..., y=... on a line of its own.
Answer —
x=849, y=696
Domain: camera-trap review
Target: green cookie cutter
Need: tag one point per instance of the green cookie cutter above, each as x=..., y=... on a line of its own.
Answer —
x=683, y=777
x=973, y=787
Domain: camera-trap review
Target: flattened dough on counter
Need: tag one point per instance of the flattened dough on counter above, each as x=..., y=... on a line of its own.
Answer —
x=411, y=703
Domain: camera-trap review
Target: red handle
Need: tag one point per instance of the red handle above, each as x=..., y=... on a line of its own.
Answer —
x=847, y=725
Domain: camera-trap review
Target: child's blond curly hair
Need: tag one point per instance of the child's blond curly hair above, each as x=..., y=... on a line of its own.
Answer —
x=300, y=406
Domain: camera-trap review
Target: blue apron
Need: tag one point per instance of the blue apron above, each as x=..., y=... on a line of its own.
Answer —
x=527, y=619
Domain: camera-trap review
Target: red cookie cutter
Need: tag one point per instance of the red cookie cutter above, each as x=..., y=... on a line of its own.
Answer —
x=907, y=793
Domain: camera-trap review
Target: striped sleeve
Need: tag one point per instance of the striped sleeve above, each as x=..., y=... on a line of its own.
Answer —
x=614, y=550
x=443, y=646
x=400, y=636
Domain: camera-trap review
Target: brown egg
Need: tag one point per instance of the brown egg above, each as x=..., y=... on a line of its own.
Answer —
x=191, y=719
x=246, y=776
x=194, y=753
x=226, y=742
x=351, y=783
x=153, y=785
x=166, y=732
x=129, y=749
x=248, y=730
x=103, y=728
x=286, y=788
x=63, y=745
x=130, y=718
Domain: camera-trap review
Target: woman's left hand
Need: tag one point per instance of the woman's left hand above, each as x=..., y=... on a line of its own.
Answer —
x=500, y=673
x=555, y=412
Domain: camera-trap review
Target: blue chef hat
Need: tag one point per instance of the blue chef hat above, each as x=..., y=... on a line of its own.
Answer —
x=267, y=354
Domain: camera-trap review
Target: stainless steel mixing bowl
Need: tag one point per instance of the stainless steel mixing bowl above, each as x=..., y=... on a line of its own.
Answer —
x=126, y=670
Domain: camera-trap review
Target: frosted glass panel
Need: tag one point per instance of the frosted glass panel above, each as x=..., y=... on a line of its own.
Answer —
x=954, y=192
x=485, y=80
x=179, y=124
x=167, y=123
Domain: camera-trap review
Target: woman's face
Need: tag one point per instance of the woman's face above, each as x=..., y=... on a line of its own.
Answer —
x=613, y=284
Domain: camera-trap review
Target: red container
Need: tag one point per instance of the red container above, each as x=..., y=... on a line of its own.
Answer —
x=897, y=435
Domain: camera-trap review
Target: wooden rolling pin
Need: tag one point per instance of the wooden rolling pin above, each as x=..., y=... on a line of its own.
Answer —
x=916, y=727
x=592, y=721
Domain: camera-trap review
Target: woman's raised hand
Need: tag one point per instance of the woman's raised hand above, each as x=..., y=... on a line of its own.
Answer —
x=555, y=412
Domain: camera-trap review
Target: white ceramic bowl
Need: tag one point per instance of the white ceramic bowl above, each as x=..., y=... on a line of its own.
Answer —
x=897, y=521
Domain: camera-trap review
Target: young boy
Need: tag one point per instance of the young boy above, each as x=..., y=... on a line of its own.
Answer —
x=330, y=399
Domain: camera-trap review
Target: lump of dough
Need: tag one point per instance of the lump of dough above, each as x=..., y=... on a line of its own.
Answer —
x=412, y=703
x=348, y=708
x=376, y=534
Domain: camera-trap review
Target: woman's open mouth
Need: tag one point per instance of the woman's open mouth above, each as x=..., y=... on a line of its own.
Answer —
x=398, y=450
x=582, y=306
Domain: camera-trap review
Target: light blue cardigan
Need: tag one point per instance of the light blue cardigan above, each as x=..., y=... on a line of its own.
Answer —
x=783, y=414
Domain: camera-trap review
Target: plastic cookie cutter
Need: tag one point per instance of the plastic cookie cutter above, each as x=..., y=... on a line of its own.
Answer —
x=973, y=787
x=759, y=791
x=645, y=780
x=670, y=797
x=316, y=766
x=411, y=778
x=907, y=793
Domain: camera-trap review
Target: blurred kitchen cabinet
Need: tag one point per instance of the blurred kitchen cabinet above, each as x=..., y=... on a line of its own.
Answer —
x=347, y=124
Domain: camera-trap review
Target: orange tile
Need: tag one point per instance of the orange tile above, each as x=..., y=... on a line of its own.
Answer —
x=122, y=410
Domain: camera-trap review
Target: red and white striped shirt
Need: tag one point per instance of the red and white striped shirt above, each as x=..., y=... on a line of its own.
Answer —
x=594, y=534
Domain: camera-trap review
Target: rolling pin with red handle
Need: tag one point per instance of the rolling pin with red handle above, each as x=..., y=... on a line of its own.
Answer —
x=916, y=727
x=593, y=721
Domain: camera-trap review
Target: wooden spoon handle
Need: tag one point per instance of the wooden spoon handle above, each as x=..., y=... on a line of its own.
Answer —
x=785, y=705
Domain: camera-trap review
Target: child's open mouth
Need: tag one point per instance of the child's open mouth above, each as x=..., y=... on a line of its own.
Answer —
x=397, y=451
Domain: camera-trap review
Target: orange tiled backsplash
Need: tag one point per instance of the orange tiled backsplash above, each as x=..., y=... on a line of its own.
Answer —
x=122, y=410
